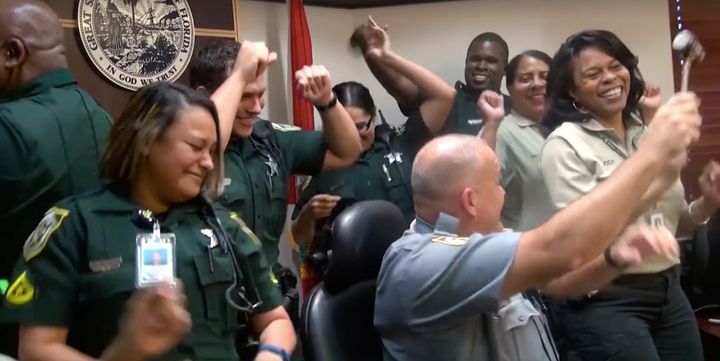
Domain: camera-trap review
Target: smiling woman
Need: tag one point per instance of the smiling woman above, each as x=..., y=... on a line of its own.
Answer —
x=595, y=93
x=520, y=137
x=163, y=165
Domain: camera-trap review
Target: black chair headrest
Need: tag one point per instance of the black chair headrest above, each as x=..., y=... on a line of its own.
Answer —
x=360, y=236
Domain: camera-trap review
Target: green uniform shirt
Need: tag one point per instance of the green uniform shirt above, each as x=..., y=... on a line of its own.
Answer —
x=465, y=117
x=382, y=172
x=78, y=270
x=51, y=136
x=256, y=179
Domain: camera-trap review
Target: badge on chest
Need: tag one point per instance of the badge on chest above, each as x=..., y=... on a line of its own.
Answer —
x=155, y=254
x=395, y=157
x=273, y=169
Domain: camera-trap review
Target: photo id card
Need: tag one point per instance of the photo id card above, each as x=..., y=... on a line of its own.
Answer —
x=155, y=259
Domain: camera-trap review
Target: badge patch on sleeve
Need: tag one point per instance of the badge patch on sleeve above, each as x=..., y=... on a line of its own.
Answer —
x=245, y=228
x=21, y=291
x=451, y=241
x=39, y=238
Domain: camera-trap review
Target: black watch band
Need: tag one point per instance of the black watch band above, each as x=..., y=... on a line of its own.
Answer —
x=330, y=105
x=611, y=262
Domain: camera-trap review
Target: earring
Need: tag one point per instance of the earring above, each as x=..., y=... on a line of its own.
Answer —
x=578, y=108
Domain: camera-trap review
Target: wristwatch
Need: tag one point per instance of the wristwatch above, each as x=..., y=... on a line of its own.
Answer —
x=276, y=350
x=330, y=105
x=611, y=262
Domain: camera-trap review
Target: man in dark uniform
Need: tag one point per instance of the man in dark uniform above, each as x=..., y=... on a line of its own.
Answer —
x=260, y=155
x=485, y=62
x=51, y=131
x=383, y=170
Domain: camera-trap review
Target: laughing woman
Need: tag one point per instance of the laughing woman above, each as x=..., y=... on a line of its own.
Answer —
x=595, y=93
x=82, y=267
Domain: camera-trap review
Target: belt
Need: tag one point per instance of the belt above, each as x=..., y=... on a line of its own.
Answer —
x=650, y=284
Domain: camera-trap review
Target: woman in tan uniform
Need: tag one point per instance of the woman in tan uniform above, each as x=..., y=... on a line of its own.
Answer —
x=596, y=106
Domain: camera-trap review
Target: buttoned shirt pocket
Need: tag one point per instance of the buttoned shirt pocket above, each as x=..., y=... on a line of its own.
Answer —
x=104, y=285
x=391, y=173
x=102, y=301
x=235, y=196
x=277, y=194
x=520, y=332
x=215, y=279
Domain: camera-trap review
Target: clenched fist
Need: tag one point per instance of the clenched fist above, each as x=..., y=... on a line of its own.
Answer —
x=155, y=321
x=252, y=60
x=675, y=126
x=314, y=84
x=492, y=106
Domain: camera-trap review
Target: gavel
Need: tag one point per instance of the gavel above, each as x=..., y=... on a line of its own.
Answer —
x=691, y=50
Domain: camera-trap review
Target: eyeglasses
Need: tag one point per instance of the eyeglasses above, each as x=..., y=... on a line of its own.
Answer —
x=364, y=127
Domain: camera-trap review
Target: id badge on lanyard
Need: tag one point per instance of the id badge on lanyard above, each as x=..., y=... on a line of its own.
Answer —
x=155, y=258
x=609, y=142
x=657, y=220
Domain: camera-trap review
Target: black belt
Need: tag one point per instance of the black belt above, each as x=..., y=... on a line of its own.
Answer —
x=650, y=284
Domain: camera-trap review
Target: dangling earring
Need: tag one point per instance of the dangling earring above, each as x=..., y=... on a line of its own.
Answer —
x=578, y=108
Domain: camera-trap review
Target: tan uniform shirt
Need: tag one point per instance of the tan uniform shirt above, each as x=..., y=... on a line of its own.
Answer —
x=518, y=146
x=576, y=158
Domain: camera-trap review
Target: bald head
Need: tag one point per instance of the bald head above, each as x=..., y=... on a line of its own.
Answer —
x=458, y=175
x=32, y=41
x=447, y=164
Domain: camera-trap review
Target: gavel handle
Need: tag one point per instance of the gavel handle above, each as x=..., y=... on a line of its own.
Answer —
x=686, y=75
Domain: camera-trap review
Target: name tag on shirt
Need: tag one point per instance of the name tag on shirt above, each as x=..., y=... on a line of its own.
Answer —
x=105, y=265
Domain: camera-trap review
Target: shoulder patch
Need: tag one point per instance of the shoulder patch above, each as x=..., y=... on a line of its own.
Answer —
x=21, y=291
x=450, y=241
x=285, y=127
x=306, y=183
x=39, y=238
x=245, y=228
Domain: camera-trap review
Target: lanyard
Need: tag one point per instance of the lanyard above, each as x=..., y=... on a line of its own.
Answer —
x=617, y=150
x=609, y=142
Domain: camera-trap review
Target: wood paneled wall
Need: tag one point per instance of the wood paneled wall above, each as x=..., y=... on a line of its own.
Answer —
x=703, y=18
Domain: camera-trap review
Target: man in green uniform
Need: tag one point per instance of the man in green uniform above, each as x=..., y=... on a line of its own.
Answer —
x=51, y=131
x=260, y=155
x=485, y=62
